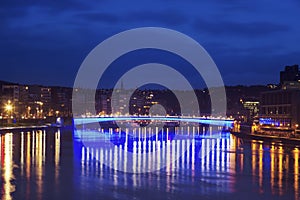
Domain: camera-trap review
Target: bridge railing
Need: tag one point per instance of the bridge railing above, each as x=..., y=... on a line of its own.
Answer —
x=219, y=121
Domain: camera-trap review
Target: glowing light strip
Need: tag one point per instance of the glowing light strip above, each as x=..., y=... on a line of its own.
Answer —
x=218, y=122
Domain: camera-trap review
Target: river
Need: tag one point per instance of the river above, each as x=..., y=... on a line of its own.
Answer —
x=57, y=164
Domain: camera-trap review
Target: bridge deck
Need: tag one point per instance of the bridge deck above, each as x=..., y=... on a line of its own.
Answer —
x=201, y=120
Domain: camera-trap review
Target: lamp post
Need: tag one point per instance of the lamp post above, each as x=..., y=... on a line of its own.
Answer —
x=8, y=108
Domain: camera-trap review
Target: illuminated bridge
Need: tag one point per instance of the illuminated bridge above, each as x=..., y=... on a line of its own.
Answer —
x=217, y=121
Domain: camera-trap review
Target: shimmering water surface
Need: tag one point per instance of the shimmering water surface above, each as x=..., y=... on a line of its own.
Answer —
x=55, y=164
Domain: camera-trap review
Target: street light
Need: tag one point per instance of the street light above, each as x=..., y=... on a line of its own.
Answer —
x=8, y=107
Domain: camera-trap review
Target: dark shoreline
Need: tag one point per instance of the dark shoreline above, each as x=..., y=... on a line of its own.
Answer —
x=268, y=138
x=26, y=128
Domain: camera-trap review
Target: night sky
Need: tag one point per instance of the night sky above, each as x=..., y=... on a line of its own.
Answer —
x=45, y=41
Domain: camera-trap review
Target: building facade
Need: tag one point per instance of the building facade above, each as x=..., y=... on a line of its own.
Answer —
x=280, y=108
x=290, y=74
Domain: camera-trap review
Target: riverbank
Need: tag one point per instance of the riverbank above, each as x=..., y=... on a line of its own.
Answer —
x=257, y=136
x=29, y=124
x=22, y=128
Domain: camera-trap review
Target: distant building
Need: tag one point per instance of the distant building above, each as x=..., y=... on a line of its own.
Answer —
x=281, y=108
x=11, y=92
x=23, y=93
x=33, y=104
x=118, y=101
x=46, y=100
x=103, y=104
x=34, y=93
x=290, y=74
x=23, y=101
x=237, y=96
x=253, y=107
x=291, y=85
x=137, y=103
x=61, y=104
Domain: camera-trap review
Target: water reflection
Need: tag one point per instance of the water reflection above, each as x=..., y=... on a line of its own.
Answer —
x=296, y=172
x=7, y=165
x=23, y=157
x=51, y=164
x=218, y=161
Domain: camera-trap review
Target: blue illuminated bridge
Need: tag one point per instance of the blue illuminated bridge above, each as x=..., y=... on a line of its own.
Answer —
x=217, y=121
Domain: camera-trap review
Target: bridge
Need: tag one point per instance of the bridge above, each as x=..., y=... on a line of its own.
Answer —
x=217, y=121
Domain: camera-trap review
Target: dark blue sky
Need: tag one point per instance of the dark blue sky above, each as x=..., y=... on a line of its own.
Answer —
x=44, y=42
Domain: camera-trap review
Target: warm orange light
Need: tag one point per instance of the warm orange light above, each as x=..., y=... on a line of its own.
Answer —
x=8, y=107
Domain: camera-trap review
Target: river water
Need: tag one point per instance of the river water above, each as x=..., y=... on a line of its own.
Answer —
x=57, y=164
